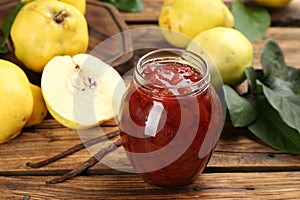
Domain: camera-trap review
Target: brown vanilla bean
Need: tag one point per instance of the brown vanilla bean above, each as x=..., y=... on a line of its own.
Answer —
x=73, y=150
x=87, y=164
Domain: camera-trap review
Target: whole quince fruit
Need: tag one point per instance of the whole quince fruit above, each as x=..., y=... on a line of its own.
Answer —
x=181, y=20
x=46, y=28
x=39, y=110
x=81, y=91
x=228, y=49
x=80, y=4
x=272, y=3
x=16, y=101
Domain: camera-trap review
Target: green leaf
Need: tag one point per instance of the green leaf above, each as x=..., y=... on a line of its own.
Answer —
x=274, y=97
x=277, y=73
x=286, y=89
x=252, y=76
x=127, y=5
x=294, y=76
x=286, y=103
x=6, y=26
x=253, y=22
x=272, y=60
x=240, y=109
x=282, y=85
x=272, y=130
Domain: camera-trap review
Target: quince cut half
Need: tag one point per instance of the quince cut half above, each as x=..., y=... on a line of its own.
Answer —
x=81, y=91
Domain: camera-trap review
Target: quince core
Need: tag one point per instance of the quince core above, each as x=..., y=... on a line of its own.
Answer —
x=81, y=91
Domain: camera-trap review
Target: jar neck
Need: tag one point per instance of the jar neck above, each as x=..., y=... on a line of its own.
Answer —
x=171, y=73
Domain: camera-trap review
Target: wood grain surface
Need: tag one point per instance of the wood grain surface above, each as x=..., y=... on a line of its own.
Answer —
x=288, y=16
x=259, y=185
x=242, y=167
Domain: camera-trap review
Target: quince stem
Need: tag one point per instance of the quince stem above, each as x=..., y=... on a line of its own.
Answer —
x=60, y=16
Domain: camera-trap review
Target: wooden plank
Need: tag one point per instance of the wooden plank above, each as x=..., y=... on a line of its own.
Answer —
x=288, y=40
x=277, y=185
x=150, y=12
x=289, y=16
x=41, y=142
x=237, y=150
x=286, y=37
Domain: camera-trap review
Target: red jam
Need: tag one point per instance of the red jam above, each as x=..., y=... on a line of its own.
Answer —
x=166, y=123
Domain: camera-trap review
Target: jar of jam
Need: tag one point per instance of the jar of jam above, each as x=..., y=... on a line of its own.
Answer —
x=171, y=117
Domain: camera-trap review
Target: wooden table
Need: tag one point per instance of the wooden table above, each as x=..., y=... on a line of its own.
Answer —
x=242, y=167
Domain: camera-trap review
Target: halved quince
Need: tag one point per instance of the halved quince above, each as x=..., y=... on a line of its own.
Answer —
x=81, y=91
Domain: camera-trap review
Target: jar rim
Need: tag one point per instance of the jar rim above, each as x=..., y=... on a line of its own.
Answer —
x=181, y=54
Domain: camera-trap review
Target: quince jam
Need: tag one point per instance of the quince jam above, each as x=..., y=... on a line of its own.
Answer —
x=170, y=119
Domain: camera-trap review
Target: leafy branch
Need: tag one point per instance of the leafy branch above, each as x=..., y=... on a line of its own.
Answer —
x=271, y=107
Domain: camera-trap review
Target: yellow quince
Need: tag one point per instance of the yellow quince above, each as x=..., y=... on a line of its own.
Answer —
x=46, y=28
x=39, y=111
x=228, y=49
x=16, y=101
x=181, y=20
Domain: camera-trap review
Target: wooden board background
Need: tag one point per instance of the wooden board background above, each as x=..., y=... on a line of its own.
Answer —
x=241, y=168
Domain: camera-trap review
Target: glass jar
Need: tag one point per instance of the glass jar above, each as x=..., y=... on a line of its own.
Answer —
x=171, y=117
